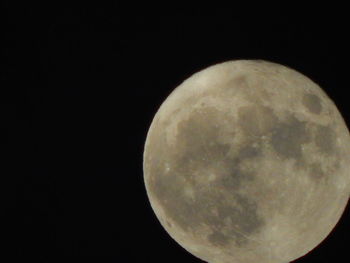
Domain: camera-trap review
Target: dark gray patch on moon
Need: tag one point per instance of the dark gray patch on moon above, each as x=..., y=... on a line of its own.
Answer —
x=217, y=238
x=197, y=140
x=240, y=80
x=288, y=137
x=234, y=175
x=198, y=149
x=316, y=171
x=168, y=190
x=244, y=218
x=256, y=120
x=325, y=139
x=249, y=151
x=312, y=103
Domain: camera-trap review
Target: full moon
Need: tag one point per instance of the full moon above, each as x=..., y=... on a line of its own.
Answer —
x=248, y=161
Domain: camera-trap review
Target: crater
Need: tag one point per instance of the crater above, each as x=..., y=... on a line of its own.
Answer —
x=288, y=137
x=312, y=103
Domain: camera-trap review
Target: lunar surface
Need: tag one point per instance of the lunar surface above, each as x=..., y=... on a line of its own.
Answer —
x=248, y=161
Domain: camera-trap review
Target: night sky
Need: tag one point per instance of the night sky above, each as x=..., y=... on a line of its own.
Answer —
x=79, y=86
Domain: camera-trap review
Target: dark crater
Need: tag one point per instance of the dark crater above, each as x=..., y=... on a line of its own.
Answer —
x=312, y=103
x=288, y=137
x=325, y=139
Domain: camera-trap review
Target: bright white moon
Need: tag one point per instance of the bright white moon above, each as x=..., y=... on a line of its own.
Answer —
x=248, y=161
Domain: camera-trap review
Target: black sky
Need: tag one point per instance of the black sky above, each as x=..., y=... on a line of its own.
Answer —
x=79, y=86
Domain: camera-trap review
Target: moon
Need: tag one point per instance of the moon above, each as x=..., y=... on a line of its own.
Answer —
x=248, y=161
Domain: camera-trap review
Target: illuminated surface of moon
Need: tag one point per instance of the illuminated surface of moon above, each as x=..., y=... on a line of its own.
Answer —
x=248, y=161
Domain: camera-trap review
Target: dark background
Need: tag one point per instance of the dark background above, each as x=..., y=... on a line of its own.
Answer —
x=79, y=87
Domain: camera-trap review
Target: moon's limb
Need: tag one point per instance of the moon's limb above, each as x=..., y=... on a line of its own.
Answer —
x=248, y=161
